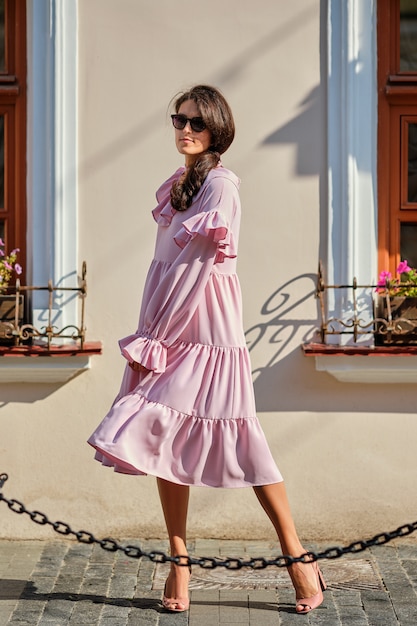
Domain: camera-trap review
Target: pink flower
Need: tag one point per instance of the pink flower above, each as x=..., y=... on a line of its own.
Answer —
x=18, y=268
x=403, y=267
x=8, y=266
x=2, y=242
x=1, y=252
x=383, y=277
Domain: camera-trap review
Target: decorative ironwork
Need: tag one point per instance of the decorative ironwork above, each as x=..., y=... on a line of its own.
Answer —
x=384, y=323
x=20, y=332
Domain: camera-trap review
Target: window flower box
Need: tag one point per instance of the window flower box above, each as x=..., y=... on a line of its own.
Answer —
x=11, y=317
x=396, y=307
x=396, y=321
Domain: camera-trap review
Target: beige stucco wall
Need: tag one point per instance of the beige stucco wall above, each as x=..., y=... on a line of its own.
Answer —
x=345, y=450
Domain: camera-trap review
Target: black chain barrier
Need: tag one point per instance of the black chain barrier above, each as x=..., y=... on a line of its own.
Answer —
x=157, y=556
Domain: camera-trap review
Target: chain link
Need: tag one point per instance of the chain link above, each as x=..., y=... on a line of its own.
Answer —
x=156, y=556
x=83, y=536
x=38, y=518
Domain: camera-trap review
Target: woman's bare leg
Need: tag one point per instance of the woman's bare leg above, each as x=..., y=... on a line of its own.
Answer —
x=174, y=500
x=274, y=501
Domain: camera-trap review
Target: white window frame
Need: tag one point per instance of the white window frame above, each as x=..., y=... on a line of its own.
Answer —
x=352, y=145
x=52, y=148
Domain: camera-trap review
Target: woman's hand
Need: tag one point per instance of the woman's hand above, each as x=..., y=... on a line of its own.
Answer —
x=137, y=367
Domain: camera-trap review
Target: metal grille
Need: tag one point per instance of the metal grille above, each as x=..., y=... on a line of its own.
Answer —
x=16, y=330
x=368, y=313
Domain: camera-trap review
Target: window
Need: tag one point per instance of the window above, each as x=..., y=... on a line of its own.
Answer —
x=46, y=230
x=397, y=132
x=357, y=72
x=13, y=125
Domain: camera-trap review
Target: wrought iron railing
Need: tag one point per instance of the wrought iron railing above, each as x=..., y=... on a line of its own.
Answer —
x=390, y=319
x=17, y=330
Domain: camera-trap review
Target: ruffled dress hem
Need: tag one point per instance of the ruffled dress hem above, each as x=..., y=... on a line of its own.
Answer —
x=122, y=467
x=142, y=437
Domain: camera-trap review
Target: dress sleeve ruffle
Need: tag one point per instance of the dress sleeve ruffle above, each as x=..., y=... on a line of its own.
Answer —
x=145, y=350
x=163, y=212
x=209, y=224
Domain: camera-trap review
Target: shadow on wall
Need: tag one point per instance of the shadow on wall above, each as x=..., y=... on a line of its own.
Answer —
x=281, y=325
x=304, y=130
x=232, y=72
x=27, y=393
x=276, y=333
x=288, y=380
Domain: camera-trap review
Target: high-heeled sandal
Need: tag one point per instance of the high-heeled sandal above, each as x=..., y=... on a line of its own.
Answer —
x=175, y=605
x=313, y=602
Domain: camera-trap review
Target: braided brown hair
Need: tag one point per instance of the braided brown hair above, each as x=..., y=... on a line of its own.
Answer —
x=218, y=118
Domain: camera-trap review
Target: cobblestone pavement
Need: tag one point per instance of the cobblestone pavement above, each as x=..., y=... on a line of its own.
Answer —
x=59, y=583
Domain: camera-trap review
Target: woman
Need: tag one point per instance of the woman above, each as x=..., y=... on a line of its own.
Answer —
x=186, y=412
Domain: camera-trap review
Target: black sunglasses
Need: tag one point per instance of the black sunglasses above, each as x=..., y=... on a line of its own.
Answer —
x=180, y=122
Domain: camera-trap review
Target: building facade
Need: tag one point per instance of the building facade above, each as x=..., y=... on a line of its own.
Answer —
x=302, y=79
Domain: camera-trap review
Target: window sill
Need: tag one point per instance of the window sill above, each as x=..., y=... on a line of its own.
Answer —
x=384, y=364
x=35, y=364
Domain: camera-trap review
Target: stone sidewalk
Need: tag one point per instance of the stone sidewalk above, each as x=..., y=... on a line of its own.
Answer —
x=60, y=582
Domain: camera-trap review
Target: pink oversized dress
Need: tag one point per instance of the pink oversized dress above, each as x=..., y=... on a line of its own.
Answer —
x=191, y=420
